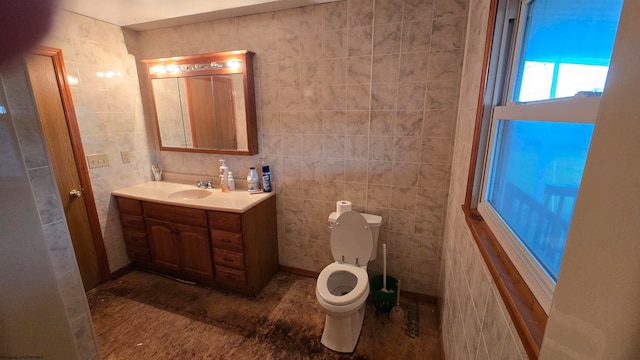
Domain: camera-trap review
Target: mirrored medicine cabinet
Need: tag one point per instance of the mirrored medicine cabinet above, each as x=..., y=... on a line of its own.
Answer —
x=205, y=103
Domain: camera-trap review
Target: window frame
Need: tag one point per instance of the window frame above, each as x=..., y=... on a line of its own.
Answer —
x=573, y=110
x=528, y=316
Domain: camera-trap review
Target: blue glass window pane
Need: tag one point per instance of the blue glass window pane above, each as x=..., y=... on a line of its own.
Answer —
x=534, y=179
x=566, y=48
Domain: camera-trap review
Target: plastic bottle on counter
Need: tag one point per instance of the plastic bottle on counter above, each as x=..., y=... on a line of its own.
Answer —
x=224, y=176
x=266, y=179
x=253, y=183
x=232, y=182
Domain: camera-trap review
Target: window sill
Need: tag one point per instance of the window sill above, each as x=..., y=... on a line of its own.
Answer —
x=527, y=315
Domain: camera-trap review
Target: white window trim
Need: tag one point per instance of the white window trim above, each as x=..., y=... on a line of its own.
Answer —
x=576, y=109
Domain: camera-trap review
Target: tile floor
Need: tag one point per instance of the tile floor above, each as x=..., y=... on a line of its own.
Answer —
x=147, y=316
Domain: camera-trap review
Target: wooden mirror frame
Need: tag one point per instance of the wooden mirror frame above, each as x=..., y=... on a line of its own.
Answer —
x=246, y=68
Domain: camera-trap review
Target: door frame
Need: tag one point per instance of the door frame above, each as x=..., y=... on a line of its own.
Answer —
x=79, y=156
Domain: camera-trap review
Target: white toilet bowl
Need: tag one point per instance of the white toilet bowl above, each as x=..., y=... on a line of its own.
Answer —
x=342, y=291
x=342, y=287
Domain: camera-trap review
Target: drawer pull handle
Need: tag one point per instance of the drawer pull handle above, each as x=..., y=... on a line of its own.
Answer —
x=227, y=259
x=132, y=223
x=226, y=241
x=229, y=276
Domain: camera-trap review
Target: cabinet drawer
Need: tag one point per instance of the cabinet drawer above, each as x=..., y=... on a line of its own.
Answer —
x=225, y=221
x=136, y=238
x=228, y=258
x=226, y=240
x=132, y=222
x=129, y=206
x=231, y=276
x=139, y=255
x=175, y=214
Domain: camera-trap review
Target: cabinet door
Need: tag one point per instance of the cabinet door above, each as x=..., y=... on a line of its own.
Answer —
x=163, y=243
x=195, y=251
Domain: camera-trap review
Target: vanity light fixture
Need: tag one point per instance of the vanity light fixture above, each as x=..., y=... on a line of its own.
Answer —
x=233, y=64
x=109, y=74
x=173, y=68
x=176, y=69
x=160, y=69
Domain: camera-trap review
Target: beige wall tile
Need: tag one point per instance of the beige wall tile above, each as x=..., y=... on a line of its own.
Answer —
x=387, y=39
x=333, y=126
x=359, y=41
x=417, y=10
x=386, y=68
x=416, y=35
x=387, y=11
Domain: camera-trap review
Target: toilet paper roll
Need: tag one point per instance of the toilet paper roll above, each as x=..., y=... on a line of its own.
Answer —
x=343, y=206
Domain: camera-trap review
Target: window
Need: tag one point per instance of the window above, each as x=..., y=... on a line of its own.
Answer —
x=550, y=60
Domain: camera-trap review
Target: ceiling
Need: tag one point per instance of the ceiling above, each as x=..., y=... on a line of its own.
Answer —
x=143, y=15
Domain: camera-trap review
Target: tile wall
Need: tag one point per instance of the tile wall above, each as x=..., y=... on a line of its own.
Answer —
x=475, y=322
x=34, y=154
x=106, y=96
x=356, y=100
x=110, y=119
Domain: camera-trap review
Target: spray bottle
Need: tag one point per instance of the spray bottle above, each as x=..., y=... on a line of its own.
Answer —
x=266, y=179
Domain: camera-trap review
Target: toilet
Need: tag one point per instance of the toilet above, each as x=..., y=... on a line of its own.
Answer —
x=343, y=286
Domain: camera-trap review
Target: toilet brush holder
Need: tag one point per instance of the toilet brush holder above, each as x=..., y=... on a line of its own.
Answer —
x=383, y=301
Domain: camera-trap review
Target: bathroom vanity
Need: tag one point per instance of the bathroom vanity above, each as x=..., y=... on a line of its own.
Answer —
x=226, y=240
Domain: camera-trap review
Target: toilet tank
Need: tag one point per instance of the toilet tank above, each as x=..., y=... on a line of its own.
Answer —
x=374, y=225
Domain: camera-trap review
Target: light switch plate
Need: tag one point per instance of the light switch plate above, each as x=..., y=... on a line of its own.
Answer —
x=97, y=160
x=126, y=156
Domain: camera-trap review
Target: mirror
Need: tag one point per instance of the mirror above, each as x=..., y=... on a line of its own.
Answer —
x=205, y=103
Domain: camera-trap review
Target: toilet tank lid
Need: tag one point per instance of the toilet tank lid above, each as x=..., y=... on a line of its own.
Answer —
x=373, y=220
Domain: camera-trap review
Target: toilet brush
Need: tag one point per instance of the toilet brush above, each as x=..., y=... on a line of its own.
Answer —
x=397, y=314
x=384, y=269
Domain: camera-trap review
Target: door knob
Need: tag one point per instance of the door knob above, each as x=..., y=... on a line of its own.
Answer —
x=75, y=193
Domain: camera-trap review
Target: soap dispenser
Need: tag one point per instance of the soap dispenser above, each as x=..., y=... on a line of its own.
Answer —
x=224, y=176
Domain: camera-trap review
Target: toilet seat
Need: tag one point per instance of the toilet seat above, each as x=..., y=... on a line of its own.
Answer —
x=360, y=289
x=351, y=239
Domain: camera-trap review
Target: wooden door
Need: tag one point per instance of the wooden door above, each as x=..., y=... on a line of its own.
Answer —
x=225, y=118
x=211, y=112
x=59, y=125
x=195, y=252
x=163, y=243
x=201, y=112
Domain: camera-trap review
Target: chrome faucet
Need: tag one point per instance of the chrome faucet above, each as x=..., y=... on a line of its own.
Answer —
x=204, y=184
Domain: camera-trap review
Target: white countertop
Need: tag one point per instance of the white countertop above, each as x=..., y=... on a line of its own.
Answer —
x=237, y=201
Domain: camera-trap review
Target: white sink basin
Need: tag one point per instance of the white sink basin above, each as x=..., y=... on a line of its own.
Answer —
x=190, y=194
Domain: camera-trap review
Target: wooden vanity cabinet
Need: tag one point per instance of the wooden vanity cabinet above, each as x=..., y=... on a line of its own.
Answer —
x=234, y=251
x=134, y=230
x=245, y=247
x=179, y=241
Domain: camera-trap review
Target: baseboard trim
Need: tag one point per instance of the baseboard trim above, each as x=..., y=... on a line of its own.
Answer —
x=430, y=299
x=301, y=272
x=122, y=271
